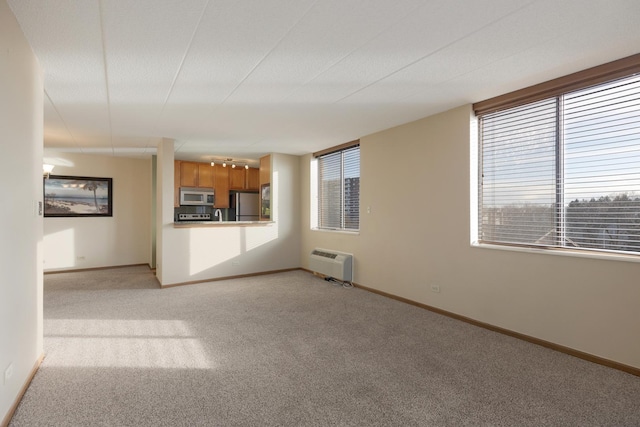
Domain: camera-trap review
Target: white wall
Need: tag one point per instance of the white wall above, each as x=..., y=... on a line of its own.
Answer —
x=124, y=238
x=21, y=100
x=193, y=254
x=589, y=305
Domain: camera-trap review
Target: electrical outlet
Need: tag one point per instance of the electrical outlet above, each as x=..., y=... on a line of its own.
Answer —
x=235, y=262
x=8, y=373
x=80, y=258
x=435, y=288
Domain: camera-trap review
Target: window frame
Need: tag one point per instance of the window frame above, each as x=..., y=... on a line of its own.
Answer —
x=316, y=184
x=623, y=68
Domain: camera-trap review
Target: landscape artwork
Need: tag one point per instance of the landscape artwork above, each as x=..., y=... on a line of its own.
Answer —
x=66, y=196
x=265, y=201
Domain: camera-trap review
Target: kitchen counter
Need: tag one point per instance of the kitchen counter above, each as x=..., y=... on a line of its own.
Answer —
x=195, y=224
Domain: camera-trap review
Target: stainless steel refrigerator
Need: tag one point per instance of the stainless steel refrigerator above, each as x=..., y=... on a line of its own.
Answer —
x=246, y=206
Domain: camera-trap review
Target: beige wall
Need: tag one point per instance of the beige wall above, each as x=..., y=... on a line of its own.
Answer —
x=195, y=254
x=415, y=178
x=124, y=238
x=21, y=97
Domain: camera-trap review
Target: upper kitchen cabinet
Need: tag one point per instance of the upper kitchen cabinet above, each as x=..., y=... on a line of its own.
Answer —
x=194, y=174
x=221, y=186
x=188, y=174
x=265, y=170
x=253, y=179
x=237, y=179
x=205, y=175
x=244, y=179
x=176, y=183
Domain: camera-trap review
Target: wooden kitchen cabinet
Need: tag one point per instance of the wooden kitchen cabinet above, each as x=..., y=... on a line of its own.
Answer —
x=237, y=179
x=193, y=174
x=176, y=183
x=221, y=186
x=205, y=175
x=253, y=179
x=265, y=170
x=244, y=179
x=188, y=174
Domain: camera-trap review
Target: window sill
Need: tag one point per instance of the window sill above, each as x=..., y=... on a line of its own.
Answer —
x=561, y=252
x=327, y=230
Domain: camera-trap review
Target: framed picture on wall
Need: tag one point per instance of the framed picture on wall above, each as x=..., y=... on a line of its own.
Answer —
x=265, y=201
x=76, y=196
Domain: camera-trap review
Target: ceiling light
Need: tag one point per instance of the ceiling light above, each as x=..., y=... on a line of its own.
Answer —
x=46, y=170
x=230, y=162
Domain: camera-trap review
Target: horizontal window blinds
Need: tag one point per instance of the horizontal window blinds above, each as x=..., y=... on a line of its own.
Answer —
x=339, y=189
x=564, y=171
x=351, y=189
x=602, y=166
x=519, y=174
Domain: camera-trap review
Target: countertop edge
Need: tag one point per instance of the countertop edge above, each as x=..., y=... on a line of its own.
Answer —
x=210, y=224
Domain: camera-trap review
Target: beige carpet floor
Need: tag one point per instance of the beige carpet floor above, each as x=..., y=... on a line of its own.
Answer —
x=290, y=349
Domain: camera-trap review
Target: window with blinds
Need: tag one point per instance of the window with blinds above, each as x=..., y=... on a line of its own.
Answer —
x=564, y=171
x=339, y=189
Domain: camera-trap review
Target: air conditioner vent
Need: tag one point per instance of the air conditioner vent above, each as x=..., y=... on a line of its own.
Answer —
x=338, y=265
x=324, y=254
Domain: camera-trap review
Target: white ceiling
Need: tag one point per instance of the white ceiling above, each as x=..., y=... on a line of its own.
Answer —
x=242, y=78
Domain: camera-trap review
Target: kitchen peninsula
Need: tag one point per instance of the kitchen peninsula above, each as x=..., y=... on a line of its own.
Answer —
x=213, y=224
x=194, y=253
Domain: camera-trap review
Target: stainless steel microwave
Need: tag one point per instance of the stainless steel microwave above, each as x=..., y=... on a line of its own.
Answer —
x=196, y=196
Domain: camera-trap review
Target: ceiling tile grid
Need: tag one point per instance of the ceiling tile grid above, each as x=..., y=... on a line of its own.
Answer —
x=240, y=77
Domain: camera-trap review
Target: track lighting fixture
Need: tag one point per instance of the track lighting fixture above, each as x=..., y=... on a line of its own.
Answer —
x=230, y=161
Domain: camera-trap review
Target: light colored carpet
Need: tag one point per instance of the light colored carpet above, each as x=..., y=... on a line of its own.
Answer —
x=290, y=349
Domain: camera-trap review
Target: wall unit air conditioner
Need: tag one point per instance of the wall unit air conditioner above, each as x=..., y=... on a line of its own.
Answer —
x=338, y=265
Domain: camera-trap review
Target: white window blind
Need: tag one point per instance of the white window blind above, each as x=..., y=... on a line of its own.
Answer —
x=339, y=189
x=564, y=171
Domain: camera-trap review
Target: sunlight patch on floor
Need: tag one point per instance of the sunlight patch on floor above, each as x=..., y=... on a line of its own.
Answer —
x=118, y=343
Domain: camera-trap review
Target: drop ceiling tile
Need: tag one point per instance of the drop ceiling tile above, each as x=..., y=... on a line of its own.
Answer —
x=296, y=73
x=65, y=37
x=423, y=33
x=232, y=39
x=329, y=32
x=145, y=42
x=137, y=120
x=532, y=66
x=502, y=39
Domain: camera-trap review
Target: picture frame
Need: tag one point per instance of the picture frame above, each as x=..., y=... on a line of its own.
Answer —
x=77, y=196
x=265, y=201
